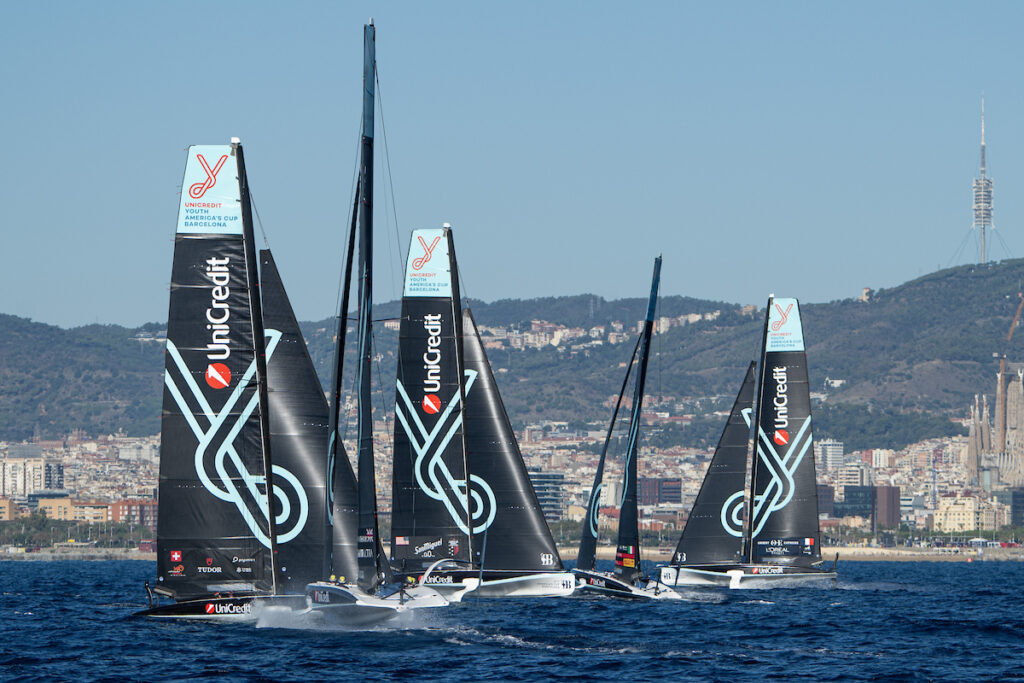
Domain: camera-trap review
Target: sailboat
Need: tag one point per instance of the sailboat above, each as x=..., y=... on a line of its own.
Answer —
x=780, y=544
x=237, y=523
x=465, y=517
x=365, y=591
x=627, y=579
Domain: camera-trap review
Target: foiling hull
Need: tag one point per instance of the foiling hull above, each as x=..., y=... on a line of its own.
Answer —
x=349, y=605
x=459, y=584
x=221, y=608
x=605, y=583
x=745, y=576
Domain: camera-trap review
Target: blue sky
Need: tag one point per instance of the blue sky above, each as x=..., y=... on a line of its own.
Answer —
x=806, y=149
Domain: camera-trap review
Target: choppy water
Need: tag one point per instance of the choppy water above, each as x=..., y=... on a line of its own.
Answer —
x=885, y=621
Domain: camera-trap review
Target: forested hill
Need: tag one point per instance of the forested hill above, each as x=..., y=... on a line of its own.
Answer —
x=915, y=351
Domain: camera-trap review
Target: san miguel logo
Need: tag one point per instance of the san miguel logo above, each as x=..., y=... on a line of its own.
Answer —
x=432, y=363
x=781, y=405
x=428, y=251
x=218, y=375
x=783, y=317
x=197, y=190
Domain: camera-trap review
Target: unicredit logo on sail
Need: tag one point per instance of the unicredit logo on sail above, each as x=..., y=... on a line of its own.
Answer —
x=218, y=315
x=432, y=363
x=781, y=403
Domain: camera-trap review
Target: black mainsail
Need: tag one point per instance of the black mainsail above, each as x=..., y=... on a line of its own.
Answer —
x=714, y=530
x=627, y=551
x=431, y=516
x=461, y=490
x=215, y=531
x=783, y=509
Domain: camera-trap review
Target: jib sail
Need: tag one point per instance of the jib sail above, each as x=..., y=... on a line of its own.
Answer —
x=714, y=530
x=298, y=432
x=505, y=507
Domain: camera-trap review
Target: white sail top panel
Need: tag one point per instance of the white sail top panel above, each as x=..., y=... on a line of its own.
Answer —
x=428, y=271
x=785, y=332
x=210, y=202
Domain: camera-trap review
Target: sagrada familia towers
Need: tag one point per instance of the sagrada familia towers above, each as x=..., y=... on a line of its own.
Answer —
x=1003, y=450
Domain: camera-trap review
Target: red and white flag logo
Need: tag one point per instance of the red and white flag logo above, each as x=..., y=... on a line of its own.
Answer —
x=431, y=404
x=209, y=608
x=175, y=556
x=781, y=437
x=218, y=375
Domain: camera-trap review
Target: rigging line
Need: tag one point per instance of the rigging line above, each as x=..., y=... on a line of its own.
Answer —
x=391, y=182
x=259, y=221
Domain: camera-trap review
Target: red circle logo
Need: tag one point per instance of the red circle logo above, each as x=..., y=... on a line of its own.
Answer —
x=431, y=404
x=209, y=608
x=781, y=437
x=218, y=375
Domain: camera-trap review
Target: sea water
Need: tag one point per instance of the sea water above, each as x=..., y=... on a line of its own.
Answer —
x=901, y=621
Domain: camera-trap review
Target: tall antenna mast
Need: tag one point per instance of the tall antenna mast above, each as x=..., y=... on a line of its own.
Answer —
x=982, y=192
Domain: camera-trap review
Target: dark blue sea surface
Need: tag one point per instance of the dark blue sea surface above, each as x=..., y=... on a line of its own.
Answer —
x=885, y=621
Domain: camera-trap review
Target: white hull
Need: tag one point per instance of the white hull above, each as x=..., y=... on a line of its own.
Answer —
x=349, y=605
x=549, y=585
x=746, y=577
x=604, y=583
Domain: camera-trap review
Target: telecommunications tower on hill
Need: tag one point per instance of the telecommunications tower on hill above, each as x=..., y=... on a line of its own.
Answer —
x=982, y=193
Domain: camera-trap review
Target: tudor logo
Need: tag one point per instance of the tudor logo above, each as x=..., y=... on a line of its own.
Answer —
x=781, y=437
x=431, y=404
x=218, y=375
x=428, y=251
x=199, y=189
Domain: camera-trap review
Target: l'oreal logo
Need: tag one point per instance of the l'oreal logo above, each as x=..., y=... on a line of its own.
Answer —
x=781, y=405
x=432, y=363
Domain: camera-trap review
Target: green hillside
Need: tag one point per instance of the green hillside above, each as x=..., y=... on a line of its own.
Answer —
x=910, y=357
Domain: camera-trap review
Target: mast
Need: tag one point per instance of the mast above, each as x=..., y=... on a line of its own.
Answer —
x=747, y=545
x=627, y=552
x=588, y=535
x=369, y=542
x=259, y=348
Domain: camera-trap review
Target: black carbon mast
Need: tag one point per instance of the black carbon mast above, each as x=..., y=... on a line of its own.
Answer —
x=627, y=551
x=373, y=565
